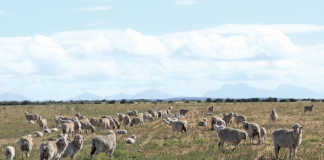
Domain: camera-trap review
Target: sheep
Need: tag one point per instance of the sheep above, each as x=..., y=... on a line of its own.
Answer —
x=38, y=134
x=211, y=109
x=130, y=140
x=54, y=130
x=74, y=147
x=25, y=144
x=263, y=134
x=10, y=153
x=308, y=108
x=68, y=128
x=126, y=120
x=95, y=121
x=102, y=143
x=253, y=130
x=283, y=138
x=170, y=108
x=31, y=117
x=218, y=128
x=273, y=115
x=77, y=126
x=215, y=120
x=132, y=113
x=177, y=125
x=231, y=135
x=42, y=122
x=147, y=117
x=120, y=117
x=123, y=131
x=136, y=121
x=53, y=149
x=79, y=116
x=239, y=119
x=228, y=118
x=86, y=125
x=47, y=131
x=183, y=112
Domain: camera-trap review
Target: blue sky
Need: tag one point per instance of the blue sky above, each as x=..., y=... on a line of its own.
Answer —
x=57, y=49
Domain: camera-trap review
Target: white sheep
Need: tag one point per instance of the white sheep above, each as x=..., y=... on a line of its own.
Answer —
x=283, y=138
x=10, y=153
x=53, y=149
x=25, y=144
x=231, y=135
x=74, y=147
x=263, y=134
x=253, y=130
x=273, y=115
x=105, y=143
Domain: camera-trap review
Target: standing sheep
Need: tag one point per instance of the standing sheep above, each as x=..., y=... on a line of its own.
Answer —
x=231, y=135
x=253, y=130
x=273, y=115
x=25, y=144
x=136, y=121
x=283, y=138
x=211, y=109
x=239, y=119
x=53, y=149
x=105, y=143
x=215, y=120
x=228, y=118
x=74, y=147
x=42, y=122
x=177, y=125
x=10, y=153
x=263, y=134
x=308, y=108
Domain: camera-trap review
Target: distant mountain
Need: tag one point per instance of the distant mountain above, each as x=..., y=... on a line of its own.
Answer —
x=11, y=97
x=87, y=96
x=246, y=91
x=147, y=94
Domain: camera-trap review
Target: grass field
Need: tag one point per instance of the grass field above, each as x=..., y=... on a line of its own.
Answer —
x=156, y=141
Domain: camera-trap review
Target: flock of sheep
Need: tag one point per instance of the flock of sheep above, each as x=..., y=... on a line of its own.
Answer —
x=55, y=149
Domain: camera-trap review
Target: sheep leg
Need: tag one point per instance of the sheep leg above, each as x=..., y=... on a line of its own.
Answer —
x=295, y=150
x=290, y=150
x=93, y=151
x=277, y=148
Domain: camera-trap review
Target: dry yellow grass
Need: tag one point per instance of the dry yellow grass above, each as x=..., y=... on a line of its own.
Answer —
x=157, y=141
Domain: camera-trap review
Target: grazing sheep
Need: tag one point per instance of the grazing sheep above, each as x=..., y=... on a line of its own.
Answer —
x=263, y=134
x=211, y=109
x=147, y=117
x=215, y=120
x=104, y=123
x=68, y=128
x=136, y=121
x=31, y=117
x=253, y=130
x=283, y=138
x=273, y=115
x=123, y=131
x=86, y=125
x=120, y=117
x=132, y=113
x=218, y=128
x=74, y=147
x=231, y=135
x=126, y=120
x=183, y=112
x=228, y=118
x=308, y=108
x=42, y=122
x=25, y=144
x=95, y=121
x=105, y=143
x=38, y=134
x=77, y=126
x=10, y=153
x=239, y=119
x=53, y=149
x=79, y=116
x=177, y=125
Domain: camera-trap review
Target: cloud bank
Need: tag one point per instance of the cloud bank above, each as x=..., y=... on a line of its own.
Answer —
x=190, y=63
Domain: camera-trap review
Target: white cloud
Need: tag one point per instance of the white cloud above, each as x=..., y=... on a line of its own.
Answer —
x=128, y=60
x=186, y=2
x=96, y=8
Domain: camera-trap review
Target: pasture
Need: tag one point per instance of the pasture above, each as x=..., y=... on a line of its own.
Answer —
x=157, y=141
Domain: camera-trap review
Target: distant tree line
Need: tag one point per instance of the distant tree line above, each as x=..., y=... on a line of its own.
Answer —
x=125, y=101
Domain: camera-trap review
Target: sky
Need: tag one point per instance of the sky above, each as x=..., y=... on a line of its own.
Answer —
x=59, y=49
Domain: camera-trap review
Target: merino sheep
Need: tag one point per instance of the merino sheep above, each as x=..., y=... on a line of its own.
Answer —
x=10, y=153
x=239, y=119
x=130, y=140
x=54, y=130
x=215, y=120
x=53, y=149
x=42, y=122
x=123, y=131
x=126, y=120
x=218, y=128
x=105, y=143
x=253, y=130
x=177, y=125
x=31, y=117
x=228, y=118
x=308, y=108
x=132, y=113
x=120, y=117
x=38, y=134
x=203, y=123
x=263, y=134
x=183, y=112
x=211, y=109
x=231, y=135
x=273, y=115
x=68, y=128
x=74, y=147
x=283, y=138
x=86, y=125
x=136, y=121
x=25, y=144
